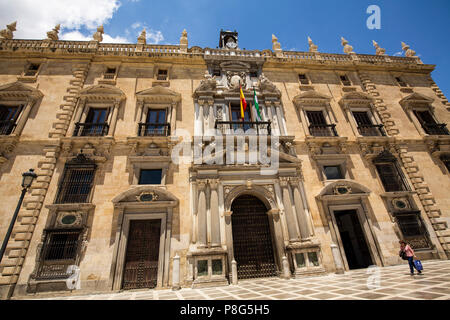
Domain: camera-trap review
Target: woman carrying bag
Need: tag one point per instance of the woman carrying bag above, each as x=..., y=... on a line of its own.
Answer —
x=407, y=253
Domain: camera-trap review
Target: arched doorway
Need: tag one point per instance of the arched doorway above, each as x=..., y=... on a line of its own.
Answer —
x=252, y=240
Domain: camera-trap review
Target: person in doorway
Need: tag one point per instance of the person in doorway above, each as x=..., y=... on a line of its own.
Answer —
x=409, y=252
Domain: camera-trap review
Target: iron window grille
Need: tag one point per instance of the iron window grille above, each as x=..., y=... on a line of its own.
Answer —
x=390, y=174
x=60, y=250
x=162, y=74
x=76, y=184
x=413, y=229
x=365, y=126
x=319, y=126
x=429, y=124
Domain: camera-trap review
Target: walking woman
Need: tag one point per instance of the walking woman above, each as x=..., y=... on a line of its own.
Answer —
x=406, y=250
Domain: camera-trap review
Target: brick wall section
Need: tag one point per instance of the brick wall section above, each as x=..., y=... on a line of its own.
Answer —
x=23, y=229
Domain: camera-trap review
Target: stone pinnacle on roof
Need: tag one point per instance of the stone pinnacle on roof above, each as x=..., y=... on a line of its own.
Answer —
x=53, y=34
x=184, y=41
x=312, y=46
x=408, y=52
x=378, y=50
x=142, y=39
x=347, y=48
x=98, y=36
x=7, y=33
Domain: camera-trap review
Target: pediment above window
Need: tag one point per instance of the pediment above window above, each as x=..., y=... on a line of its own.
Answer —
x=356, y=99
x=311, y=97
x=19, y=91
x=102, y=92
x=158, y=94
x=344, y=189
x=416, y=99
x=145, y=196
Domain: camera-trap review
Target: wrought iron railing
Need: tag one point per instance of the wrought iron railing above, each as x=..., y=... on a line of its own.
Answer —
x=154, y=129
x=90, y=129
x=6, y=127
x=413, y=229
x=323, y=130
x=435, y=128
x=369, y=130
x=230, y=127
x=58, y=253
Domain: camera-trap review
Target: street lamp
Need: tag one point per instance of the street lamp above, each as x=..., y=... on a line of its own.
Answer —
x=27, y=180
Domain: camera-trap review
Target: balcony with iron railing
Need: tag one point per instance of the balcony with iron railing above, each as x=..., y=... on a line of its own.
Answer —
x=435, y=128
x=231, y=127
x=323, y=130
x=90, y=129
x=148, y=129
x=371, y=130
x=6, y=127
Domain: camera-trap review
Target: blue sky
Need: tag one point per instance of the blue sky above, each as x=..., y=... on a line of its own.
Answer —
x=424, y=25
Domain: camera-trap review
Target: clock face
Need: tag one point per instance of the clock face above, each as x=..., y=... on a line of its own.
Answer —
x=231, y=43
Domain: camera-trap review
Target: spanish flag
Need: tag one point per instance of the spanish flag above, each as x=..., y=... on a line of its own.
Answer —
x=243, y=103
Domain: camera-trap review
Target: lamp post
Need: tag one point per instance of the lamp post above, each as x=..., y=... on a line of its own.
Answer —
x=27, y=180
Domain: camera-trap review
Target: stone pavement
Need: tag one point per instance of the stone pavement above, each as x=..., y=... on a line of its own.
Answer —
x=395, y=282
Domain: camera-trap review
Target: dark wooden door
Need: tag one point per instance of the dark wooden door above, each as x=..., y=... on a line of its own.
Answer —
x=252, y=240
x=353, y=240
x=141, y=258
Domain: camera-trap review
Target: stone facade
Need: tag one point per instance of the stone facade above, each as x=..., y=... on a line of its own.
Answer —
x=56, y=83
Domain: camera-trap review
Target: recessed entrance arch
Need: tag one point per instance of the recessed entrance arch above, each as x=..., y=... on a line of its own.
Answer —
x=252, y=238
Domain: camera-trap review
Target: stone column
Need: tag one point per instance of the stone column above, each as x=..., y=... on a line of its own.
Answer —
x=198, y=123
x=290, y=220
x=201, y=214
x=214, y=205
x=112, y=126
x=211, y=118
x=140, y=106
x=78, y=114
x=280, y=118
x=304, y=227
x=173, y=121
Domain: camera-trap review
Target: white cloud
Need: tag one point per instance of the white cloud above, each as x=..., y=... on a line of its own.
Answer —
x=153, y=36
x=78, y=36
x=398, y=53
x=35, y=18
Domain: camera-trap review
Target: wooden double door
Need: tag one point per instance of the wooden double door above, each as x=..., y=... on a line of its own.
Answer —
x=142, y=254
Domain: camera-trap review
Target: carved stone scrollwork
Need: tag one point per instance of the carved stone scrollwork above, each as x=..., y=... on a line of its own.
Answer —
x=234, y=79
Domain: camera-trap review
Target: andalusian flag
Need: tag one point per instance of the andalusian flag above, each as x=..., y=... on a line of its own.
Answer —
x=243, y=103
x=255, y=102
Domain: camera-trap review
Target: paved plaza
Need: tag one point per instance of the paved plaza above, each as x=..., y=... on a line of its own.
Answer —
x=395, y=282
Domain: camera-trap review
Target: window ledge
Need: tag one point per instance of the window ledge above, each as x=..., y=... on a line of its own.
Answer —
x=28, y=79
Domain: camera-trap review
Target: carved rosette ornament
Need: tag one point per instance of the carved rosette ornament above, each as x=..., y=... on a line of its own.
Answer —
x=342, y=190
x=147, y=197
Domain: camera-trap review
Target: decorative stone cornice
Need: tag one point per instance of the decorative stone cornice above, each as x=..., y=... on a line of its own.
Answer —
x=158, y=94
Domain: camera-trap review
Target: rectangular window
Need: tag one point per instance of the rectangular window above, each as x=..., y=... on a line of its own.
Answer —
x=216, y=73
x=400, y=82
x=365, y=126
x=312, y=257
x=76, y=184
x=303, y=79
x=61, y=246
x=235, y=110
x=8, y=117
x=95, y=123
x=344, y=80
x=300, y=260
x=390, y=177
x=217, y=267
x=162, y=74
x=202, y=268
x=446, y=160
x=429, y=124
x=318, y=125
x=155, y=124
x=110, y=73
x=333, y=172
x=150, y=176
x=32, y=70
